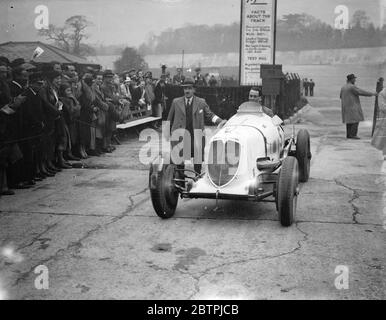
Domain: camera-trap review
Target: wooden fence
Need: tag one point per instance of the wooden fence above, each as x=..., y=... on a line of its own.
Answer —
x=224, y=101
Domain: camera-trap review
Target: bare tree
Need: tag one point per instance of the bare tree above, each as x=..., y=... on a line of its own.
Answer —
x=78, y=24
x=58, y=34
x=70, y=36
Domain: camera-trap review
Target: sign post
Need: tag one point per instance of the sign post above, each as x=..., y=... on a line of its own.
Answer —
x=257, y=38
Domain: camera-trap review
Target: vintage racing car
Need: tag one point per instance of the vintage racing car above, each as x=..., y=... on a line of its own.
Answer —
x=248, y=159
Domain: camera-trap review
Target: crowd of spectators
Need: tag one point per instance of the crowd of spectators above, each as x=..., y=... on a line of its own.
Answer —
x=201, y=80
x=53, y=115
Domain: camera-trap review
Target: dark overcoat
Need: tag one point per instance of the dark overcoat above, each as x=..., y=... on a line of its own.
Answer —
x=351, y=105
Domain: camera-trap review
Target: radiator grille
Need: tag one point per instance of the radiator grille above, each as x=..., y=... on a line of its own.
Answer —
x=223, y=161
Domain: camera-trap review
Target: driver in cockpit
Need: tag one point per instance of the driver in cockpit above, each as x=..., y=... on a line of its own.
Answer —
x=254, y=96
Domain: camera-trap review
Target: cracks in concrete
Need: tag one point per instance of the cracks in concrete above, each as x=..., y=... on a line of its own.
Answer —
x=354, y=197
x=340, y=223
x=132, y=205
x=56, y=213
x=320, y=145
x=131, y=208
x=198, y=277
x=37, y=237
x=76, y=245
x=264, y=220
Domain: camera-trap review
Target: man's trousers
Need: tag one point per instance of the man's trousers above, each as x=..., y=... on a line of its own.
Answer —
x=352, y=129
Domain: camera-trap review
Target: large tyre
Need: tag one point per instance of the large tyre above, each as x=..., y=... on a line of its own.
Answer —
x=164, y=194
x=303, y=154
x=287, y=191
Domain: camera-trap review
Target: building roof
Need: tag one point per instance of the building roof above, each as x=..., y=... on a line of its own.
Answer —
x=13, y=50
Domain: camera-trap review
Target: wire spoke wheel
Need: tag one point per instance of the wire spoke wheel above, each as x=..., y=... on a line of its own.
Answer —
x=164, y=194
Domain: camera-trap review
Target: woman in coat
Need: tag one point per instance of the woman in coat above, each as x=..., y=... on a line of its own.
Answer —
x=56, y=134
x=379, y=137
x=71, y=114
x=88, y=116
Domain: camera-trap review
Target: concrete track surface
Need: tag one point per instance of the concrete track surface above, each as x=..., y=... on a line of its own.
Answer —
x=96, y=231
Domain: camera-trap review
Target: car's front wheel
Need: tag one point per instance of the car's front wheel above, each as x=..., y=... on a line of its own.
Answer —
x=303, y=154
x=164, y=194
x=287, y=191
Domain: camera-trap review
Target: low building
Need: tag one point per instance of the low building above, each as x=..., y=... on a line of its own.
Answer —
x=25, y=50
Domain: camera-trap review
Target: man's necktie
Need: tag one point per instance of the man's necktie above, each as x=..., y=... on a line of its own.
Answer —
x=189, y=123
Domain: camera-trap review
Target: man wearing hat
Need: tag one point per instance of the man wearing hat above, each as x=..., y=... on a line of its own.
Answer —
x=149, y=90
x=379, y=86
x=311, y=85
x=113, y=115
x=351, y=106
x=132, y=73
x=33, y=126
x=9, y=152
x=188, y=113
x=20, y=174
x=163, y=69
x=124, y=88
x=179, y=78
x=199, y=79
x=149, y=75
x=159, y=102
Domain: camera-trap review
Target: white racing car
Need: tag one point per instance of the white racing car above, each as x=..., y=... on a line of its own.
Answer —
x=248, y=159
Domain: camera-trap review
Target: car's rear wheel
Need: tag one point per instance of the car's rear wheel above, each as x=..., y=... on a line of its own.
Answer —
x=303, y=154
x=287, y=191
x=164, y=194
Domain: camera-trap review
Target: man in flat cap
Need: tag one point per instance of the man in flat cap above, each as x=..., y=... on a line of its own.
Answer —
x=189, y=113
x=351, y=106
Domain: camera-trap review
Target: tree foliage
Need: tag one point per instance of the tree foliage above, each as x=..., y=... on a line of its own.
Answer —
x=299, y=31
x=130, y=58
x=71, y=36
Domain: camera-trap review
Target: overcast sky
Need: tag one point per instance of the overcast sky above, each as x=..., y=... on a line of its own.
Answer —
x=130, y=21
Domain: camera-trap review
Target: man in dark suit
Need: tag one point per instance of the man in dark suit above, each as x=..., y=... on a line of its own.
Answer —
x=188, y=114
x=179, y=78
x=199, y=79
x=111, y=96
x=306, y=85
x=32, y=126
x=9, y=150
x=312, y=86
x=19, y=177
